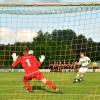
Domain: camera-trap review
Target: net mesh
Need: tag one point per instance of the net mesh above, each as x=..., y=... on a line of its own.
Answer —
x=59, y=33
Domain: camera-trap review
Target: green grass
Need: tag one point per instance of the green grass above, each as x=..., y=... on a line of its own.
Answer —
x=11, y=87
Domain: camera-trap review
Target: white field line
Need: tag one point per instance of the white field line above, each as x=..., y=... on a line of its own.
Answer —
x=45, y=86
x=34, y=79
x=49, y=94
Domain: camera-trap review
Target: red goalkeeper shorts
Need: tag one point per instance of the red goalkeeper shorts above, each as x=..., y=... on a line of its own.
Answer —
x=36, y=75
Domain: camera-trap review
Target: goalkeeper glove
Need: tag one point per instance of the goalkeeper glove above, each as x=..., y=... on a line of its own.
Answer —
x=42, y=58
x=14, y=56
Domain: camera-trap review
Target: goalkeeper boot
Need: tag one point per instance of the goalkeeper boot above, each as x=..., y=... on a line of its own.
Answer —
x=59, y=91
x=28, y=90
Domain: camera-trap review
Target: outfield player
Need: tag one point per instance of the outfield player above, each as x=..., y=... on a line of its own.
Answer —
x=84, y=62
x=31, y=66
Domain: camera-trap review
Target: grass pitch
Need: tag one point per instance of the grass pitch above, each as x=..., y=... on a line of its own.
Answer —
x=11, y=87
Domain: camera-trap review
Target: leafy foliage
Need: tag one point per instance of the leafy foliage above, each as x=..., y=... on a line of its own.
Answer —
x=58, y=45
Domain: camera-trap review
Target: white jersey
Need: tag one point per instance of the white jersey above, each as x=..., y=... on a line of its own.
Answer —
x=84, y=61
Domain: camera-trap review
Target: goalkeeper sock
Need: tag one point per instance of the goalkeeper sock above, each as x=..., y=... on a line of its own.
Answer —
x=50, y=84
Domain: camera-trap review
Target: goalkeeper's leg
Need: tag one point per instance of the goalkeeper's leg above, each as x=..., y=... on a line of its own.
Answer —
x=49, y=83
x=39, y=76
x=27, y=84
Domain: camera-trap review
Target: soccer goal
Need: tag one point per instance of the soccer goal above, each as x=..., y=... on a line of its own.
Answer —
x=57, y=30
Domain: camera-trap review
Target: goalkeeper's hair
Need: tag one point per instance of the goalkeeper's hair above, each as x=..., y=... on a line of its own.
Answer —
x=25, y=50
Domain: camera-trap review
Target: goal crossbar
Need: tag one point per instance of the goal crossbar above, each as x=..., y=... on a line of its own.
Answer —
x=51, y=4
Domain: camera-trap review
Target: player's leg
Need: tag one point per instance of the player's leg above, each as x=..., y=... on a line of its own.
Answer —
x=40, y=77
x=82, y=73
x=81, y=76
x=49, y=83
x=26, y=82
x=78, y=76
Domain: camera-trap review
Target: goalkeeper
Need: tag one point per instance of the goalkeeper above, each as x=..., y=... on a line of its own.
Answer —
x=31, y=66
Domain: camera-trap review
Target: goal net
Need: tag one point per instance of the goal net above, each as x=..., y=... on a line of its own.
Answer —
x=57, y=30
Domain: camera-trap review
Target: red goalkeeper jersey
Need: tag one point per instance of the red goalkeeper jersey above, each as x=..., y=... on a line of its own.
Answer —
x=29, y=63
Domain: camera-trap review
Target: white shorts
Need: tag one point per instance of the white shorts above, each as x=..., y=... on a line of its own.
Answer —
x=83, y=69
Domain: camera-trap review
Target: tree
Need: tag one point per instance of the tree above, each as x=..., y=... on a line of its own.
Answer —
x=58, y=45
x=64, y=35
